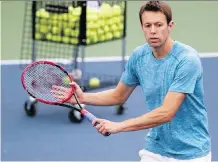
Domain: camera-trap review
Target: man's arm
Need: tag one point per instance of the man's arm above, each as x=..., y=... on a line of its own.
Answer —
x=160, y=115
x=114, y=96
x=188, y=71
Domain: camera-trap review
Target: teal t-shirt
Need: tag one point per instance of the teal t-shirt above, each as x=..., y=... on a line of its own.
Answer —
x=186, y=136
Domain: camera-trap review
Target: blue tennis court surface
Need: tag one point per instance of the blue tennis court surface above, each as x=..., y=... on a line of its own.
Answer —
x=51, y=136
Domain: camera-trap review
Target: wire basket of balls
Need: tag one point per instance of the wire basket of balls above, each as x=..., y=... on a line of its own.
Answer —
x=79, y=22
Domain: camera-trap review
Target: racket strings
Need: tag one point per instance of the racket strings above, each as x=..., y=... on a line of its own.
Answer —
x=40, y=78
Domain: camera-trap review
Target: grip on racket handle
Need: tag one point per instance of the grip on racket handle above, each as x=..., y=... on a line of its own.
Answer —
x=91, y=117
x=106, y=134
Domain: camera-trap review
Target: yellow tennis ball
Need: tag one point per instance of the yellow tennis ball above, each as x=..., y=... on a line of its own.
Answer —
x=66, y=80
x=94, y=82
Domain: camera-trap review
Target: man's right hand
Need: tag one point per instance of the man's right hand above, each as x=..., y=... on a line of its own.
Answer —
x=61, y=93
x=79, y=93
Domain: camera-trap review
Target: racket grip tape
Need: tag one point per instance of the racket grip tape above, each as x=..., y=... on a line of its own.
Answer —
x=90, y=118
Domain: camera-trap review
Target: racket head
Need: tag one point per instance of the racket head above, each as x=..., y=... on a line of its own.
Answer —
x=39, y=77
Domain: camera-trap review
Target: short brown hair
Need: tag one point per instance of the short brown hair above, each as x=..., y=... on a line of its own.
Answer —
x=156, y=6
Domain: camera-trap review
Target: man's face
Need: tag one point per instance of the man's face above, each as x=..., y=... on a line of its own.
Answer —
x=155, y=28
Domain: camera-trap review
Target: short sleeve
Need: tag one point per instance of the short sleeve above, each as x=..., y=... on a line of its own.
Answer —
x=186, y=75
x=129, y=76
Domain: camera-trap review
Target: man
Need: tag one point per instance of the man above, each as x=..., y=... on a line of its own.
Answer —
x=170, y=74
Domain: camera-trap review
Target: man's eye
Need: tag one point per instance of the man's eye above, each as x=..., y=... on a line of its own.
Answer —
x=147, y=26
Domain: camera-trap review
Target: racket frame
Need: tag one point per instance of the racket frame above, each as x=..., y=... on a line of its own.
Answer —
x=48, y=63
x=83, y=111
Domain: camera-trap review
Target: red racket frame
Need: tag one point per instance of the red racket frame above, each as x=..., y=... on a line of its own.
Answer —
x=49, y=63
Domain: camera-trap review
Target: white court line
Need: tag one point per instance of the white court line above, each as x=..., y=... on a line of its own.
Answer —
x=90, y=59
x=209, y=54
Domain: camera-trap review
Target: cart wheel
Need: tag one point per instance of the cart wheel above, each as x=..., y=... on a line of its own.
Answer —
x=120, y=110
x=75, y=116
x=30, y=108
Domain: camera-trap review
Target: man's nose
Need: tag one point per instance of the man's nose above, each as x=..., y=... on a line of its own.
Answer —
x=153, y=29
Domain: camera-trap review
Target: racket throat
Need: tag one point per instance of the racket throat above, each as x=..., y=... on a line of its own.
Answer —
x=83, y=112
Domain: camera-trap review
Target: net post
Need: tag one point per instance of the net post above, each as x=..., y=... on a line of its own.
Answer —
x=124, y=38
x=75, y=56
x=82, y=28
x=124, y=24
x=33, y=31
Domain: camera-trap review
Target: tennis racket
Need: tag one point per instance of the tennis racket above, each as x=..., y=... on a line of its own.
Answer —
x=40, y=77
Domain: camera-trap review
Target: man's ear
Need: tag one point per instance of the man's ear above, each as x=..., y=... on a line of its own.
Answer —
x=171, y=25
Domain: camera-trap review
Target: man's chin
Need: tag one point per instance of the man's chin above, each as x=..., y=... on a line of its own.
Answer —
x=154, y=45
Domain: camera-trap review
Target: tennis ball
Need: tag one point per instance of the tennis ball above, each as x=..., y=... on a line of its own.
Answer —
x=38, y=13
x=43, y=21
x=120, y=26
x=93, y=17
x=105, y=10
x=117, y=34
x=65, y=17
x=108, y=36
x=114, y=27
x=60, y=17
x=89, y=33
x=38, y=36
x=65, y=25
x=74, y=33
x=67, y=31
x=92, y=11
x=55, y=38
x=116, y=10
x=54, y=22
x=88, y=41
x=101, y=23
x=66, y=80
x=110, y=21
x=100, y=31
x=105, y=5
x=44, y=14
x=54, y=16
x=55, y=30
x=116, y=19
x=92, y=25
x=43, y=29
x=101, y=38
x=94, y=39
x=58, y=38
x=72, y=19
x=94, y=82
x=70, y=8
x=74, y=41
x=77, y=11
x=106, y=29
x=49, y=36
x=65, y=39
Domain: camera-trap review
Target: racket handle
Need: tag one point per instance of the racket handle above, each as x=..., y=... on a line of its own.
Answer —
x=106, y=134
x=90, y=118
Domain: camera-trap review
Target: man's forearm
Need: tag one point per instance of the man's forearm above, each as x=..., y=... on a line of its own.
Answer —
x=148, y=120
x=104, y=98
